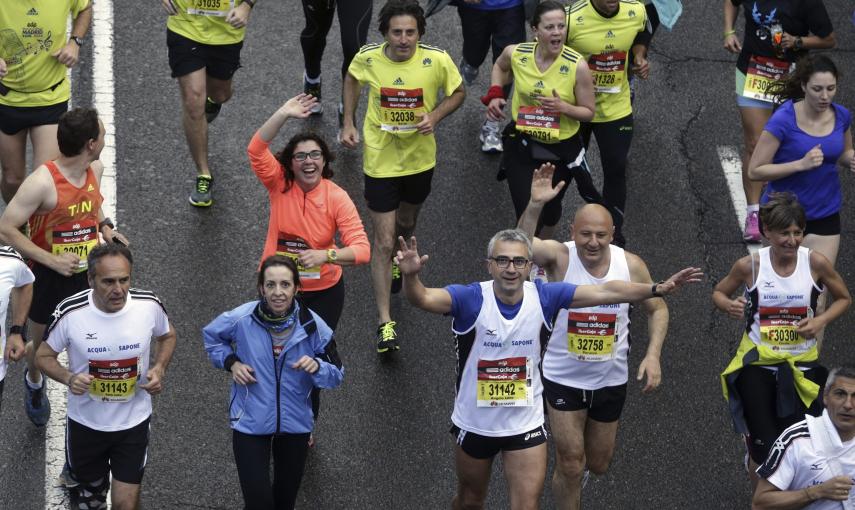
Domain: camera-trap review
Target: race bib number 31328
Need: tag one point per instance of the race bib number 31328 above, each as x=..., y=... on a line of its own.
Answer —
x=504, y=382
x=401, y=109
x=609, y=71
x=113, y=380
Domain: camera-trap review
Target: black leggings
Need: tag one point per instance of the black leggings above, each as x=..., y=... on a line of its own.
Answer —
x=613, y=139
x=483, y=29
x=252, y=457
x=354, y=16
x=518, y=167
x=758, y=390
x=328, y=304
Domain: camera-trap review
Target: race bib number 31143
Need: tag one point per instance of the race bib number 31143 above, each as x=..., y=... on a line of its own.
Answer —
x=114, y=380
x=505, y=382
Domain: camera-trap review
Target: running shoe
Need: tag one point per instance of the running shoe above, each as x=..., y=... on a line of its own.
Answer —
x=66, y=479
x=314, y=89
x=387, y=339
x=469, y=73
x=201, y=195
x=752, y=227
x=36, y=403
x=212, y=109
x=92, y=498
x=491, y=138
x=397, y=281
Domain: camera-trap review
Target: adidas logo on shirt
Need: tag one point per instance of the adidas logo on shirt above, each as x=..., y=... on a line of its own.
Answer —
x=33, y=12
x=398, y=81
x=539, y=84
x=90, y=188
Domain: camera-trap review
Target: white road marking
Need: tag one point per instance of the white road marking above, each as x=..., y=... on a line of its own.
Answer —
x=731, y=164
x=56, y=498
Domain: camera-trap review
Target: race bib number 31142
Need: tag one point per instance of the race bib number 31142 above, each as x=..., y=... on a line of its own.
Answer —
x=504, y=382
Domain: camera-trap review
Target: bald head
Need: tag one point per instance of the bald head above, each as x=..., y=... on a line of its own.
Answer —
x=593, y=214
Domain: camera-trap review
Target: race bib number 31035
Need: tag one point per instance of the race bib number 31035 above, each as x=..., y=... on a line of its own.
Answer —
x=505, y=382
x=218, y=8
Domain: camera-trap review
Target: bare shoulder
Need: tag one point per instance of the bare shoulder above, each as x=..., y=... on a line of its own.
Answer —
x=638, y=270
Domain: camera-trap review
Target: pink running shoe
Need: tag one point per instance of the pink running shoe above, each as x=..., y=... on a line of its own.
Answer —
x=752, y=227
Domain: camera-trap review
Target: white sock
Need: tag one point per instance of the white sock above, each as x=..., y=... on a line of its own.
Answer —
x=311, y=81
x=752, y=208
x=32, y=385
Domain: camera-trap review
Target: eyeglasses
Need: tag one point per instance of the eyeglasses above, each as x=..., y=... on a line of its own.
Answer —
x=504, y=262
x=315, y=154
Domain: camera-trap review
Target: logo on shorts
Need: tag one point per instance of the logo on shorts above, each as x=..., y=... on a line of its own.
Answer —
x=560, y=402
x=532, y=435
x=426, y=62
x=398, y=81
x=33, y=12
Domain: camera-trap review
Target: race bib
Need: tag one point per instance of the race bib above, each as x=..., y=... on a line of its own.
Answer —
x=763, y=72
x=218, y=8
x=292, y=246
x=591, y=336
x=114, y=380
x=609, y=71
x=505, y=382
x=401, y=109
x=78, y=238
x=778, y=327
x=539, y=123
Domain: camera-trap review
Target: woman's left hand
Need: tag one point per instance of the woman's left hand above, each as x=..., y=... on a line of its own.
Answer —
x=307, y=364
x=312, y=258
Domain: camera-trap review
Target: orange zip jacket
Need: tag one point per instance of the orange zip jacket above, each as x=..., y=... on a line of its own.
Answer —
x=300, y=221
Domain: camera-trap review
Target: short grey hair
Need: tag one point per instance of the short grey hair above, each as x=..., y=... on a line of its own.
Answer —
x=847, y=372
x=513, y=235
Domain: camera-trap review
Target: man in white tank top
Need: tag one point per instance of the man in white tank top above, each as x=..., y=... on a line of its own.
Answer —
x=585, y=367
x=501, y=326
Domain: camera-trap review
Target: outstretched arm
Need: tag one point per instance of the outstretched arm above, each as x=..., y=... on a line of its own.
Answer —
x=627, y=292
x=430, y=299
x=299, y=106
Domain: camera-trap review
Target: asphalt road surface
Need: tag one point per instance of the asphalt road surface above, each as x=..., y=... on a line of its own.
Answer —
x=382, y=438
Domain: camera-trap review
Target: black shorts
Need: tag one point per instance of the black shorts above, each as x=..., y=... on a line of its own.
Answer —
x=385, y=194
x=92, y=454
x=487, y=447
x=828, y=226
x=50, y=288
x=186, y=55
x=603, y=405
x=13, y=119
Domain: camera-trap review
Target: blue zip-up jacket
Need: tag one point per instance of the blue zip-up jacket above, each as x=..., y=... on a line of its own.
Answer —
x=280, y=400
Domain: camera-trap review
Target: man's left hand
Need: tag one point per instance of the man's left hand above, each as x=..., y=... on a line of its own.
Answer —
x=239, y=16
x=154, y=384
x=68, y=55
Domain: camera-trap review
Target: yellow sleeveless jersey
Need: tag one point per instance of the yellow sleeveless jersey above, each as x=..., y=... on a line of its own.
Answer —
x=547, y=126
x=400, y=94
x=204, y=21
x=31, y=31
x=606, y=43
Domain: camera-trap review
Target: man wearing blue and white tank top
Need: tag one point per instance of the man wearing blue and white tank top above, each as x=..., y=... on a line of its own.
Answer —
x=585, y=368
x=501, y=326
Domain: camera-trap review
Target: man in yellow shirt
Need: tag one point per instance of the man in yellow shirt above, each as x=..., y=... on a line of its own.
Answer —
x=204, y=38
x=35, y=51
x=399, y=154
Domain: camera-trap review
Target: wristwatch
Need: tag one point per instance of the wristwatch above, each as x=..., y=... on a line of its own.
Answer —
x=17, y=330
x=332, y=255
x=799, y=44
x=653, y=289
x=78, y=40
x=106, y=222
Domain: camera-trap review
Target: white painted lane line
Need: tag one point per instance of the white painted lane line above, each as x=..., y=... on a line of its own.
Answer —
x=731, y=164
x=103, y=100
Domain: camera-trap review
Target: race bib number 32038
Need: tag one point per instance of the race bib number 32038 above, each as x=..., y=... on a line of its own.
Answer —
x=401, y=109
x=504, y=382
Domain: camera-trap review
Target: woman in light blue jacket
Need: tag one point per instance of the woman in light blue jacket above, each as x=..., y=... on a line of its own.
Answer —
x=276, y=351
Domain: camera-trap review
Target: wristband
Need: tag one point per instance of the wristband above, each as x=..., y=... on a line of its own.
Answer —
x=493, y=92
x=653, y=289
x=729, y=33
x=106, y=222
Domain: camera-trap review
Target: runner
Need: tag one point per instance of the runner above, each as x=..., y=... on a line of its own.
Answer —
x=777, y=33
x=500, y=326
x=61, y=203
x=606, y=32
x=813, y=460
x=489, y=24
x=35, y=52
x=585, y=368
x=269, y=406
x=108, y=332
x=775, y=377
x=354, y=16
x=307, y=210
x=204, y=38
x=552, y=93
x=404, y=77
x=16, y=282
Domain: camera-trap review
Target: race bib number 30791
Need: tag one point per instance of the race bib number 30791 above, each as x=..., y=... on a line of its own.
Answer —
x=504, y=382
